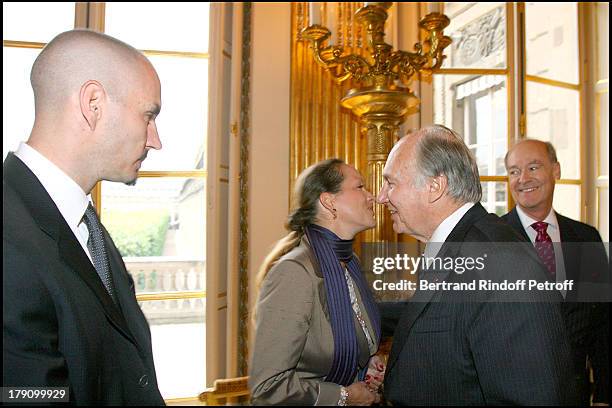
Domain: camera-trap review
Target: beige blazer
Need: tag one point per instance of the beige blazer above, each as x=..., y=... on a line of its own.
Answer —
x=294, y=344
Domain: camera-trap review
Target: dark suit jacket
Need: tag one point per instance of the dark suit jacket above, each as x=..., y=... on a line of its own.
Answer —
x=61, y=328
x=481, y=347
x=587, y=322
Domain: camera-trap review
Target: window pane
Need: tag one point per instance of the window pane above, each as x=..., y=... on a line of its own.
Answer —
x=604, y=213
x=159, y=227
x=17, y=96
x=182, y=123
x=551, y=40
x=169, y=26
x=37, y=22
x=178, y=334
x=553, y=115
x=478, y=31
x=567, y=200
x=495, y=197
x=476, y=107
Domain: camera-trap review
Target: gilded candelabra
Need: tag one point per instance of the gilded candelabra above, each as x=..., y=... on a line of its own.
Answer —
x=382, y=100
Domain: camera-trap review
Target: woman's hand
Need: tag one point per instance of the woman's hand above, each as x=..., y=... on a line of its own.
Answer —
x=360, y=394
x=376, y=373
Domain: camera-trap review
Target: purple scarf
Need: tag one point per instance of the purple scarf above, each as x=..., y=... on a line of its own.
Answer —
x=329, y=251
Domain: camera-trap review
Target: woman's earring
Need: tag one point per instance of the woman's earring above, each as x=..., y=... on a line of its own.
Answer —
x=335, y=215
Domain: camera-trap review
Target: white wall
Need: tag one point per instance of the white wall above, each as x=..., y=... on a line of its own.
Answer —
x=269, y=149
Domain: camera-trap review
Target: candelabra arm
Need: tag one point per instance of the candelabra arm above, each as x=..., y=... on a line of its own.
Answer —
x=341, y=67
x=434, y=24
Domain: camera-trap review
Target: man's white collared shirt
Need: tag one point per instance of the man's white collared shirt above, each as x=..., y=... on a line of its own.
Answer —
x=555, y=235
x=67, y=195
x=443, y=231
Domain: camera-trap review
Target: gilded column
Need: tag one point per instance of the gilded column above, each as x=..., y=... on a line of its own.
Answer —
x=380, y=134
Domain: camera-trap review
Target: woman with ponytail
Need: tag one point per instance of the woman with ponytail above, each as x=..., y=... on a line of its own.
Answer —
x=316, y=324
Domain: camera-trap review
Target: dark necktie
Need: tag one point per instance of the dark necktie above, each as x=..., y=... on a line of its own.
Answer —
x=97, y=249
x=544, y=247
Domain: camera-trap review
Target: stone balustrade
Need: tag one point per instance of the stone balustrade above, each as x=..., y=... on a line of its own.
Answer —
x=164, y=275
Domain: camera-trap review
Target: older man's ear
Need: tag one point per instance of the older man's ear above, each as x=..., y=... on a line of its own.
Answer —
x=557, y=170
x=436, y=188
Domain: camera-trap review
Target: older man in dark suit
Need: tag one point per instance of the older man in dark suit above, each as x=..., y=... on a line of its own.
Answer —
x=467, y=347
x=70, y=316
x=533, y=170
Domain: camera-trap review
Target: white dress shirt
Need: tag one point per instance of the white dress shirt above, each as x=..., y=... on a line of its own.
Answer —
x=67, y=195
x=443, y=231
x=555, y=235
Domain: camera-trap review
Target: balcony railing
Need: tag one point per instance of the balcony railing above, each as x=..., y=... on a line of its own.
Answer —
x=169, y=289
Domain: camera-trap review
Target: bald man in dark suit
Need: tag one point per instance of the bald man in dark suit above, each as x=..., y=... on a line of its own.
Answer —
x=533, y=169
x=70, y=315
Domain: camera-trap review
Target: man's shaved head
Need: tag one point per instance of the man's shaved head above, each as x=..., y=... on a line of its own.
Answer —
x=96, y=101
x=75, y=57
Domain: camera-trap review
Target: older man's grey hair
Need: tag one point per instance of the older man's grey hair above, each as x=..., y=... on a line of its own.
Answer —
x=441, y=151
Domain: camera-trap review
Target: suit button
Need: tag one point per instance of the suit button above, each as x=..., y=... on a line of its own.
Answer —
x=144, y=381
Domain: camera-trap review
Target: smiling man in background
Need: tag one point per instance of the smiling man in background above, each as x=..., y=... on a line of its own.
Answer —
x=532, y=171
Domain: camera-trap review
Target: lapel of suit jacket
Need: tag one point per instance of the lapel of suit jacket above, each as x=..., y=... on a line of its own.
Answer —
x=322, y=291
x=571, y=250
x=411, y=313
x=51, y=222
x=417, y=304
x=316, y=268
x=117, y=269
x=126, y=295
x=512, y=218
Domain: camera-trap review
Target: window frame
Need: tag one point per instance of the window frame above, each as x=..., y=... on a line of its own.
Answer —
x=96, y=21
x=516, y=85
x=92, y=16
